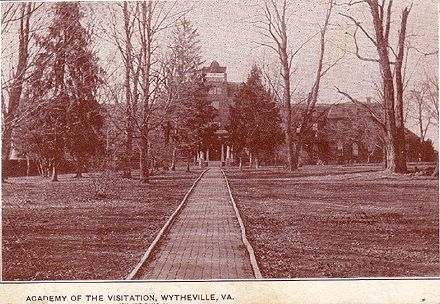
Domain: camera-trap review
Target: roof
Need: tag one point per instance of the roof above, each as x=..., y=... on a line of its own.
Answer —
x=214, y=68
x=342, y=111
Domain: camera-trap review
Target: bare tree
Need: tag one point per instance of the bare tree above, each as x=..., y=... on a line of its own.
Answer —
x=429, y=106
x=147, y=100
x=419, y=111
x=131, y=58
x=21, y=13
x=312, y=98
x=390, y=60
x=431, y=89
x=274, y=27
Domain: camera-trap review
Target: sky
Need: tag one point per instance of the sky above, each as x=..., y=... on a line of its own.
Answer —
x=228, y=35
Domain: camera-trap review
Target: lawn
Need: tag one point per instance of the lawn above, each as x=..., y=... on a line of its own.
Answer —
x=83, y=229
x=339, y=221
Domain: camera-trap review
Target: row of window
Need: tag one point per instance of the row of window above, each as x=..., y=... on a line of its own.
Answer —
x=215, y=91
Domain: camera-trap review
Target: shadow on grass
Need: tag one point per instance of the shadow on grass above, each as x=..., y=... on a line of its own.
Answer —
x=308, y=171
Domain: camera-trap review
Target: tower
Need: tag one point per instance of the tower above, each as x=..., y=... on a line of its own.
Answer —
x=220, y=94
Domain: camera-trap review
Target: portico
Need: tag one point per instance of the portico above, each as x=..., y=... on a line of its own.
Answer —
x=219, y=155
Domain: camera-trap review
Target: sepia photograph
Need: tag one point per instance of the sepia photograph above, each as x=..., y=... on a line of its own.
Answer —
x=217, y=140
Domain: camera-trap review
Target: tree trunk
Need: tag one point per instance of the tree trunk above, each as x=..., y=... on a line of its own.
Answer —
x=288, y=118
x=251, y=159
x=144, y=161
x=55, y=171
x=46, y=168
x=421, y=133
x=297, y=152
x=128, y=97
x=285, y=67
x=6, y=148
x=391, y=155
x=188, y=163
x=79, y=168
x=173, y=159
x=400, y=134
x=16, y=86
x=28, y=166
x=128, y=153
x=394, y=138
x=41, y=169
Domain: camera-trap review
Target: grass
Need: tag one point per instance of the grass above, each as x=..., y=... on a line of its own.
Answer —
x=339, y=221
x=82, y=229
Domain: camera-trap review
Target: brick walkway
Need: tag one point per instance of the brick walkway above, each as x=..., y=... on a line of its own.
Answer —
x=204, y=242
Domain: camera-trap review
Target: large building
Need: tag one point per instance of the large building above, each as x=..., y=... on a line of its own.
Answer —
x=339, y=133
x=221, y=95
x=345, y=133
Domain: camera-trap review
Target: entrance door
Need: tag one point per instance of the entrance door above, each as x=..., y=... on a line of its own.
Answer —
x=215, y=152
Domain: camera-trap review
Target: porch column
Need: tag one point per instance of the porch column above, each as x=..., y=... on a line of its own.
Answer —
x=232, y=153
x=223, y=153
x=207, y=154
x=201, y=158
x=228, y=152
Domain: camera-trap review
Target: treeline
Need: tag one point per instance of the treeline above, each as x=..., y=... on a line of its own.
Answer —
x=147, y=101
x=61, y=116
x=71, y=114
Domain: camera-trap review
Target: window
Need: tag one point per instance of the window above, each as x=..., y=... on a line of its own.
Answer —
x=355, y=149
x=315, y=129
x=340, y=148
x=215, y=91
x=216, y=104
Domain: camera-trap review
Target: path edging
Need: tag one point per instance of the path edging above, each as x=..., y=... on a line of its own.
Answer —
x=162, y=231
x=254, y=264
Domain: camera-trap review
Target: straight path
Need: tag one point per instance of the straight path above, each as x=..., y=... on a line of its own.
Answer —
x=204, y=242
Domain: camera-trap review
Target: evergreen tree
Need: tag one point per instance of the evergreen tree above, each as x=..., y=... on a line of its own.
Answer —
x=196, y=130
x=65, y=115
x=191, y=125
x=255, y=122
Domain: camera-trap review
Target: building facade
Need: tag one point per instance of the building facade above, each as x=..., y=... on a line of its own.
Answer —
x=221, y=95
x=345, y=133
x=339, y=133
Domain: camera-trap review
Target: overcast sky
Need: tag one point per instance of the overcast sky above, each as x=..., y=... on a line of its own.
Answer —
x=228, y=36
